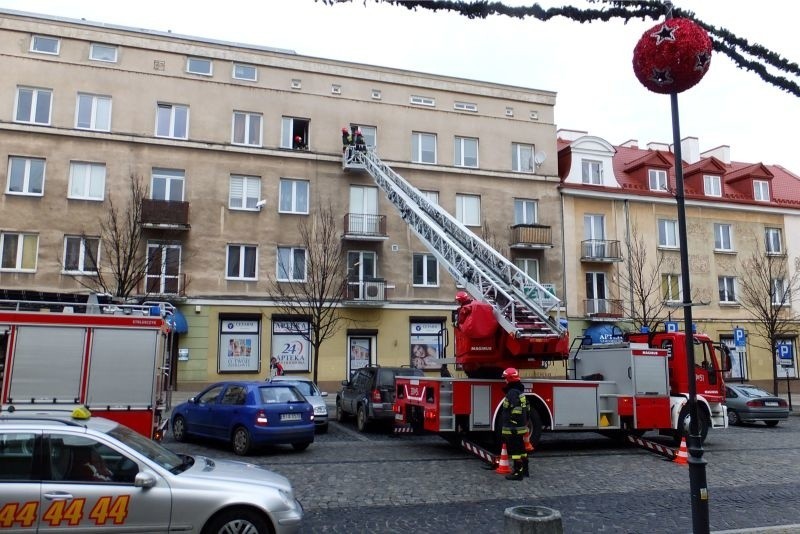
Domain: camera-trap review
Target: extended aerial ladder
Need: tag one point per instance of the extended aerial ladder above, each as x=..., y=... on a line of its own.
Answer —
x=524, y=309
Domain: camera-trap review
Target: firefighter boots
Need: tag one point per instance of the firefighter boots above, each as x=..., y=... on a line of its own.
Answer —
x=517, y=473
x=525, y=471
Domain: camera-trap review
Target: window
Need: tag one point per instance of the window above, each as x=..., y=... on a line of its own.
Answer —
x=657, y=179
x=33, y=105
x=468, y=209
x=466, y=152
x=722, y=237
x=727, y=289
x=245, y=192
x=167, y=184
x=594, y=235
x=245, y=72
x=671, y=287
x=82, y=460
x=294, y=133
x=163, y=272
x=17, y=462
x=293, y=196
x=423, y=147
x=426, y=270
x=711, y=186
x=596, y=301
x=529, y=266
x=93, y=112
x=761, y=190
x=25, y=176
x=422, y=101
x=45, y=45
x=291, y=264
x=432, y=196
x=241, y=262
x=370, y=134
x=172, y=121
x=197, y=65
x=102, y=52
x=18, y=251
x=591, y=172
x=246, y=128
x=522, y=157
x=667, y=233
x=87, y=181
x=773, y=240
x=779, y=292
x=525, y=211
x=81, y=254
x=465, y=106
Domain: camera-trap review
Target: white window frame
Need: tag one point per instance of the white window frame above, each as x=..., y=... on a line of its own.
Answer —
x=236, y=76
x=41, y=39
x=19, y=254
x=243, y=250
x=591, y=172
x=97, y=104
x=429, y=279
x=670, y=282
x=294, y=199
x=172, y=109
x=170, y=178
x=465, y=106
x=193, y=62
x=247, y=133
x=773, y=241
x=417, y=151
x=431, y=196
x=465, y=209
x=529, y=266
x=82, y=254
x=723, y=232
x=780, y=288
x=727, y=284
x=249, y=192
x=522, y=157
x=288, y=271
x=26, y=178
x=36, y=94
x=461, y=147
x=657, y=179
x=82, y=178
x=162, y=277
x=369, y=133
x=761, y=190
x=526, y=211
x=416, y=100
x=667, y=233
x=712, y=186
x=96, y=47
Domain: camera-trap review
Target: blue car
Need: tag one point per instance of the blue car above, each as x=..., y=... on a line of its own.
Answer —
x=248, y=414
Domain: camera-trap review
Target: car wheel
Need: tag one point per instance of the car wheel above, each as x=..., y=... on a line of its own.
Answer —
x=361, y=419
x=299, y=447
x=340, y=415
x=683, y=425
x=241, y=441
x=179, y=428
x=771, y=423
x=238, y=521
x=733, y=418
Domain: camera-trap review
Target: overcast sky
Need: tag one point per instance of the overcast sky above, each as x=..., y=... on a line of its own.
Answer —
x=587, y=65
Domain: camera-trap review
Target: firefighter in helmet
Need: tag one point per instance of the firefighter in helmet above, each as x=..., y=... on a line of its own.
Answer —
x=515, y=418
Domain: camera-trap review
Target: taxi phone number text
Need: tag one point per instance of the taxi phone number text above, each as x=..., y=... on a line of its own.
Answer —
x=113, y=509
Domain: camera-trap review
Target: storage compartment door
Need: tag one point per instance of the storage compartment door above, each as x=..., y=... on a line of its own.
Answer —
x=122, y=370
x=574, y=407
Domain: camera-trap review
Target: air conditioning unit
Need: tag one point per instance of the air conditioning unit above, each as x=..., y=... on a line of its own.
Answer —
x=374, y=291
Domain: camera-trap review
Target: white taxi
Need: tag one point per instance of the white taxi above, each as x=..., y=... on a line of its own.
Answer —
x=76, y=473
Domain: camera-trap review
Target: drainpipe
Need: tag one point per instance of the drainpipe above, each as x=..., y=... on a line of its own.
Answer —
x=628, y=245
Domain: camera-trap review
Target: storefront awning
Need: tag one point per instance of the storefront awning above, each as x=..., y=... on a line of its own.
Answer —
x=178, y=322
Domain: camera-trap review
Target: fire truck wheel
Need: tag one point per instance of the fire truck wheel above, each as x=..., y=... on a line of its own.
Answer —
x=241, y=441
x=361, y=419
x=683, y=424
x=179, y=428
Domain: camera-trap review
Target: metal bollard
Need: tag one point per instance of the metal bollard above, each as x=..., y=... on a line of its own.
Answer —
x=532, y=520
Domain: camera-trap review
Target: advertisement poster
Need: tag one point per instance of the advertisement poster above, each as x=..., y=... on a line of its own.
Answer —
x=426, y=345
x=360, y=353
x=239, y=350
x=291, y=346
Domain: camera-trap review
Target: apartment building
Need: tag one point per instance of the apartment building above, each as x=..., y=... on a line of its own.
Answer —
x=615, y=197
x=237, y=145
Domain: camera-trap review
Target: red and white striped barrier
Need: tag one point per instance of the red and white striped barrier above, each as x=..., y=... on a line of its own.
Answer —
x=407, y=429
x=480, y=452
x=652, y=446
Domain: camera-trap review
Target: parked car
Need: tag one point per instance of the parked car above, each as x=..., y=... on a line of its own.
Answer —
x=747, y=403
x=77, y=473
x=369, y=394
x=248, y=414
x=313, y=395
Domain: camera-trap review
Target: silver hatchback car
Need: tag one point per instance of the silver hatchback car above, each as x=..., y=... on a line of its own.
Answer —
x=91, y=474
x=313, y=395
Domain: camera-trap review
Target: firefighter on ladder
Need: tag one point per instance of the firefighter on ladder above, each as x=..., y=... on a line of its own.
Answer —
x=515, y=417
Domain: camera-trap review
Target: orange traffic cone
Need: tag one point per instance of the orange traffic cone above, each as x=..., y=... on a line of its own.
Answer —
x=682, y=456
x=527, y=439
x=504, y=468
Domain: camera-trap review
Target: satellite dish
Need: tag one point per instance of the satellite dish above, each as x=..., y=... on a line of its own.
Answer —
x=539, y=157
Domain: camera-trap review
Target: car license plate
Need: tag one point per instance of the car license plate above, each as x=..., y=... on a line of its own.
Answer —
x=290, y=417
x=770, y=403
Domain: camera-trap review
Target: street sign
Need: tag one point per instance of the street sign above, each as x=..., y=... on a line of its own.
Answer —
x=671, y=326
x=786, y=355
x=738, y=337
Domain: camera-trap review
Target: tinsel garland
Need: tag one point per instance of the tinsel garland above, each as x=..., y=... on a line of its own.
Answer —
x=724, y=41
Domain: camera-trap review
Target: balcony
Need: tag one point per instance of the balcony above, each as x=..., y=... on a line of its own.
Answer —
x=600, y=251
x=165, y=214
x=599, y=309
x=364, y=227
x=164, y=285
x=531, y=236
x=365, y=291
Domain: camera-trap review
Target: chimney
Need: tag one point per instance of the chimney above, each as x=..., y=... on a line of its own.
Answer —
x=690, y=150
x=630, y=143
x=722, y=153
x=570, y=135
x=658, y=146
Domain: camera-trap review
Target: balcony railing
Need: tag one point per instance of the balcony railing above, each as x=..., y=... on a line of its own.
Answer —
x=599, y=308
x=531, y=236
x=365, y=227
x=169, y=214
x=600, y=250
x=170, y=285
x=367, y=290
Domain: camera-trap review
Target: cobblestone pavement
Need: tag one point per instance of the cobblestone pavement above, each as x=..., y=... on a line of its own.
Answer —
x=375, y=483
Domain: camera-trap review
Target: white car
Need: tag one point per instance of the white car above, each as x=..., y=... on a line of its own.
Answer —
x=313, y=395
x=89, y=474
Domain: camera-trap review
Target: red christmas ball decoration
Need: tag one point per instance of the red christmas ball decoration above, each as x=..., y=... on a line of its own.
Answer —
x=672, y=56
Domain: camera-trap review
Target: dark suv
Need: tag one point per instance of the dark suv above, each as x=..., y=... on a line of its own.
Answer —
x=369, y=394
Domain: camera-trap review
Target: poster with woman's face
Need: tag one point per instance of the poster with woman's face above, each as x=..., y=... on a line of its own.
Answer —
x=425, y=345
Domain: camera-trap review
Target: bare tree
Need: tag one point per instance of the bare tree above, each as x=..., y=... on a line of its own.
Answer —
x=765, y=289
x=318, y=298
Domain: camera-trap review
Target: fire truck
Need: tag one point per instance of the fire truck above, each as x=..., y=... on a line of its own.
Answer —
x=113, y=359
x=506, y=319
